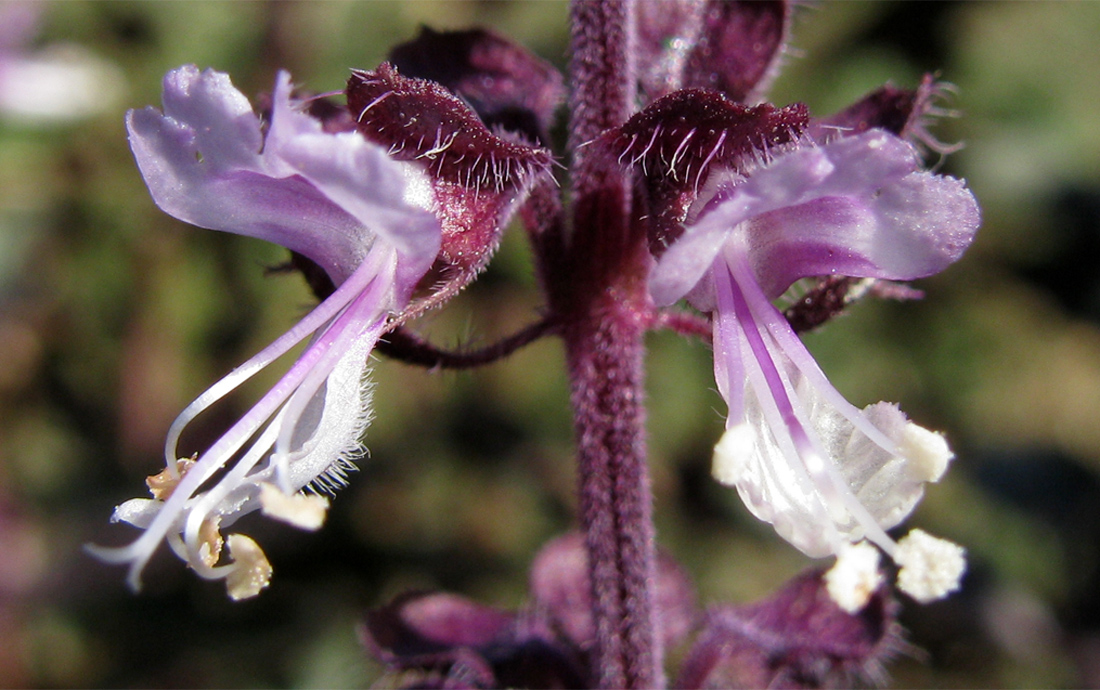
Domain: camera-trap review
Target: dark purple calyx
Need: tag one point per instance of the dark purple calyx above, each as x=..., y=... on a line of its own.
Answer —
x=477, y=177
x=738, y=47
x=798, y=638
x=731, y=47
x=436, y=639
x=439, y=637
x=667, y=31
x=681, y=135
x=908, y=113
x=559, y=583
x=507, y=85
x=443, y=640
x=821, y=303
x=832, y=295
x=423, y=122
x=423, y=623
x=678, y=140
x=334, y=117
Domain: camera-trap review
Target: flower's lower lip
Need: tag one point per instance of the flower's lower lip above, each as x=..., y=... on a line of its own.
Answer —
x=802, y=457
x=307, y=426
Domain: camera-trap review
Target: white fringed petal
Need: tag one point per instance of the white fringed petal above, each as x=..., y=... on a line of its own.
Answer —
x=779, y=484
x=825, y=474
x=803, y=458
x=303, y=434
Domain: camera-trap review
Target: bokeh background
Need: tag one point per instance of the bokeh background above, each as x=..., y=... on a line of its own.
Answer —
x=113, y=316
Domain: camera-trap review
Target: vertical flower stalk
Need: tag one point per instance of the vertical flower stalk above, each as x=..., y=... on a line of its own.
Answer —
x=601, y=297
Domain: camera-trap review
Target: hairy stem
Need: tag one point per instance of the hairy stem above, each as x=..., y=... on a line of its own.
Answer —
x=598, y=293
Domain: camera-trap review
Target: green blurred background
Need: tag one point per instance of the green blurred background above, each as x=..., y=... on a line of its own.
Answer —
x=113, y=316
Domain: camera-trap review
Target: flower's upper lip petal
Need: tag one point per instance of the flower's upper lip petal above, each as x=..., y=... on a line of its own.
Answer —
x=355, y=174
x=898, y=224
x=784, y=182
x=287, y=211
x=912, y=228
x=220, y=118
x=325, y=196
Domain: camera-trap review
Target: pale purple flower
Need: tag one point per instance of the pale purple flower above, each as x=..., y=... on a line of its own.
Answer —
x=823, y=472
x=340, y=201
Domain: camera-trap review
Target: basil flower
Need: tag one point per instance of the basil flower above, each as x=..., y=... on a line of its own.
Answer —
x=338, y=200
x=824, y=473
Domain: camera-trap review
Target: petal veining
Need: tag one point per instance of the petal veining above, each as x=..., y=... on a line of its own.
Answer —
x=856, y=206
x=823, y=473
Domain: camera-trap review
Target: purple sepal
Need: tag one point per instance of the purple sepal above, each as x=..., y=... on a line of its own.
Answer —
x=334, y=117
x=506, y=84
x=906, y=113
x=798, y=638
x=739, y=47
x=679, y=139
x=421, y=121
x=444, y=640
x=731, y=47
x=684, y=133
x=421, y=623
x=560, y=585
x=447, y=641
x=478, y=178
x=832, y=294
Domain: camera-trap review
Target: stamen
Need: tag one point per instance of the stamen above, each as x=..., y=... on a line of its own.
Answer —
x=317, y=362
x=854, y=577
x=931, y=568
x=303, y=511
x=927, y=452
x=251, y=571
x=162, y=484
x=366, y=291
x=211, y=549
x=786, y=339
x=780, y=423
x=322, y=314
x=824, y=491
